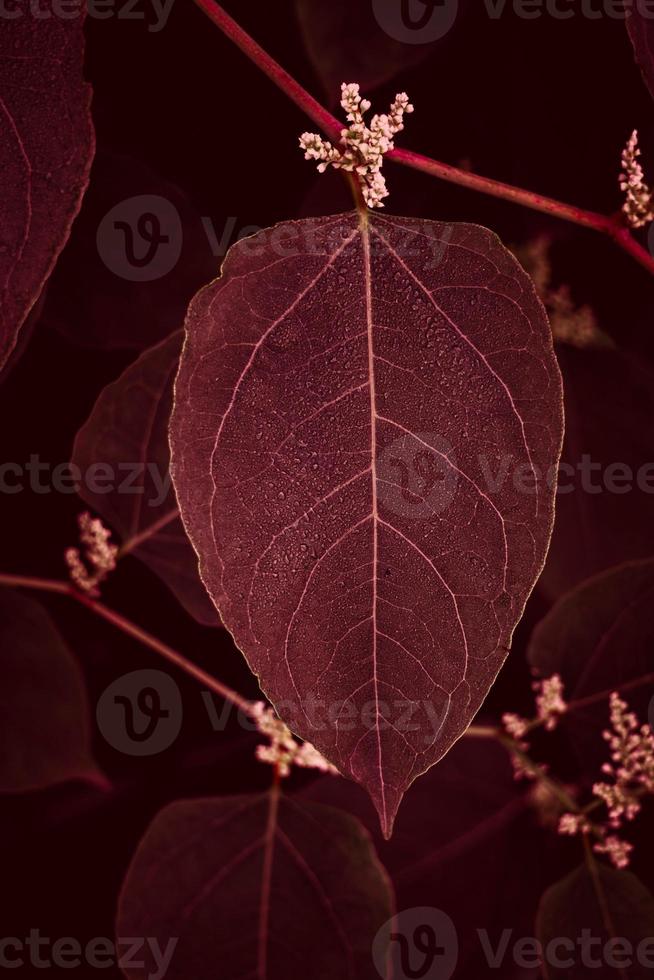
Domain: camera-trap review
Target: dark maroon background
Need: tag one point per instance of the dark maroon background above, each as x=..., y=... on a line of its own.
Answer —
x=544, y=104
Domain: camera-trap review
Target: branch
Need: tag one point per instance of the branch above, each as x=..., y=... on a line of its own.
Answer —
x=131, y=629
x=611, y=225
x=175, y=658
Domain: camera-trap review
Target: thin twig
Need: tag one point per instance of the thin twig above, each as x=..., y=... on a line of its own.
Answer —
x=611, y=225
x=131, y=629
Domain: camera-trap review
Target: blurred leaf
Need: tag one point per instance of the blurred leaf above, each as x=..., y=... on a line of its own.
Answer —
x=601, y=904
x=44, y=168
x=457, y=825
x=136, y=256
x=600, y=637
x=346, y=43
x=609, y=412
x=257, y=886
x=641, y=32
x=127, y=432
x=45, y=734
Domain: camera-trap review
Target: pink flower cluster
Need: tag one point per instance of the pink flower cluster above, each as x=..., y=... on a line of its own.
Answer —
x=639, y=204
x=88, y=572
x=284, y=751
x=550, y=705
x=631, y=776
x=363, y=147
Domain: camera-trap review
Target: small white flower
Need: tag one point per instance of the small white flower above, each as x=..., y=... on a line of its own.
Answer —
x=632, y=769
x=617, y=850
x=549, y=701
x=284, y=751
x=639, y=204
x=100, y=556
x=573, y=823
x=514, y=725
x=362, y=148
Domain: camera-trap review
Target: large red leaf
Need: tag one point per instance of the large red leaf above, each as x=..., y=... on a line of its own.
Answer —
x=257, y=886
x=126, y=435
x=346, y=396
x=46, y=147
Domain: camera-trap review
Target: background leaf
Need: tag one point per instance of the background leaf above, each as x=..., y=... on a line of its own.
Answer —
x=587, y=901
x=641, y=32
x=44, y=168
x=346, y=43
x=602, y=518
x=127, y=431
x=45, y=735
x=340, y=404
x=600, y=637
x=208, y=871
x=460, y=824
x=97, y=297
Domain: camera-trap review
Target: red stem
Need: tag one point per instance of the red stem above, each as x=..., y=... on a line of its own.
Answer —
x=612, y=226
x=131, y=629
x=328, y=123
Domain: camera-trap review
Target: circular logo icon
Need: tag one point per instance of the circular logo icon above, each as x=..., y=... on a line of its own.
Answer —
x=141, y=713
x=141, y=238
x=417, y=476
x=416, y=21
x=417, y=944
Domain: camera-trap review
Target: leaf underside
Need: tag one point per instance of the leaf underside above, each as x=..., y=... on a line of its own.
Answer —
x=45, y=730
x=127, y=431
x=609, y=417
x=345, y=41
x=641, y=33
x=599, y=638
x=304, y=878
x=344, y=391
x=44, y=168
x=601, y=903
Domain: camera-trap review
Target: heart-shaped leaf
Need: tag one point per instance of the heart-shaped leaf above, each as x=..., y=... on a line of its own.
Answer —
x=45, y=732
x=597, y=922
x=123, y=458
x=366, y=415
x=257, y=886
x=43, y=167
